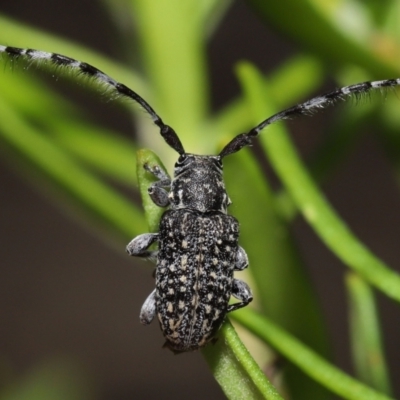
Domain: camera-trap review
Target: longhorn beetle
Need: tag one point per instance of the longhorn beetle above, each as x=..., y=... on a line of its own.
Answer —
x=198, y=249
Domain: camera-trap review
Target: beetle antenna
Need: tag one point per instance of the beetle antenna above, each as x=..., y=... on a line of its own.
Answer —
x=307, y=108
x=82, y=68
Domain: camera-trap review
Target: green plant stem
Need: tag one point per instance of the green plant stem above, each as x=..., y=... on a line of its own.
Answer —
x=172, y=38
x=310, y=362
x=323, y=33
x=366, y=341
x=293, y=81
x=69, y=176
x=312, y=204
x=235, y=369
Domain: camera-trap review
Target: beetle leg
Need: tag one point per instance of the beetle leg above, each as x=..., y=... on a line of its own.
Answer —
x=138, y=246
x=158, y=195
x=241, y=291
x=156, y=190
x=159, y=173
x=148, y=310
x=242, y=261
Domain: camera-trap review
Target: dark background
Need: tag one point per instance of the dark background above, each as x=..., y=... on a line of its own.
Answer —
x=63, y=292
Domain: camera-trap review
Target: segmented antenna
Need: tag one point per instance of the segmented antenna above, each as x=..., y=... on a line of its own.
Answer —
x=91, y=72
x=169, y=135
x=306, y=108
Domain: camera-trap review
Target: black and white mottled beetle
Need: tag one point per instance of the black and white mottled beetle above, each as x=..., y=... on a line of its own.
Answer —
x=197, y=252
x=198, y=249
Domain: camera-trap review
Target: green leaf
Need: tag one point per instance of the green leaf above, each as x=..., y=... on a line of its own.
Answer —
x=172, y=38
x=312, y=204
x=284, y=291
x=81, y=186
x=310, y=362
x=365, y=335
x=235, y=370
x=104, y=150
x=325, y=29
x=294, y=80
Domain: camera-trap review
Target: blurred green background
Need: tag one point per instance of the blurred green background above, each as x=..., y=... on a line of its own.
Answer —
x=70, y=299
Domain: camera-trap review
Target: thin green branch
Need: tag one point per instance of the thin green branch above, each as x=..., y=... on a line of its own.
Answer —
x=295, y=79
x=366, y=340
x=310, y=362
x=312, y=204
x=173, y=52
x=320, y=27
x=103, y=149
x=337, y=144
x=69, y=176
x=235, y=369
